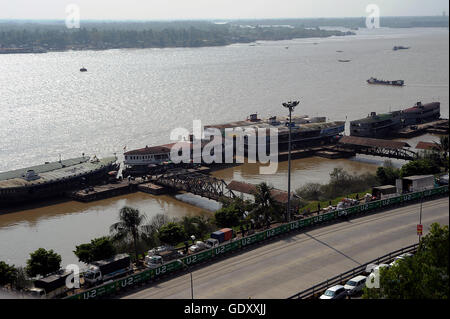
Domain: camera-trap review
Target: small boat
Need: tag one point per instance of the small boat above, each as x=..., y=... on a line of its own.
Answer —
x=339, y=51
x=400, y=48
x=373, y=80
x=344, y=60
x=83, y=69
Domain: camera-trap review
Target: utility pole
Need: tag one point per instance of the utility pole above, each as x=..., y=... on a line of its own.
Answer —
x=289, y=105
x=420, y=216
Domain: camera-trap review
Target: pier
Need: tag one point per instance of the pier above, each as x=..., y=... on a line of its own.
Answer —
x=104, y=191
x=435, y=127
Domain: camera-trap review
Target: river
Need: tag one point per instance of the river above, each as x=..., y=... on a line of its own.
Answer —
x=136, y=97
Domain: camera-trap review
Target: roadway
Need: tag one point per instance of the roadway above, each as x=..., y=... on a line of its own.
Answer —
x=288, y=265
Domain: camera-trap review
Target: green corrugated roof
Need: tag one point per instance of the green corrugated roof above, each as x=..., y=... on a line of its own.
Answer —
x=376, y=118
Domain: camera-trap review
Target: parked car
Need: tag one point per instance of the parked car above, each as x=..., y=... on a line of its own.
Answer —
x=355, y=285
x=369, y=268
x=199, y=246
x=335, y=292
x=160, y=249
x=402, y=256
x=211, y=242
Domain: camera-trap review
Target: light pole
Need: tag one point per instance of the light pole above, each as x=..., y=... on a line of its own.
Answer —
x=190, y=273
x=290, y=105
x=420, y=215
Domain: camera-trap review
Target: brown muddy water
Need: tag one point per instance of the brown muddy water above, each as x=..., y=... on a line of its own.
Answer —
x=136, y=97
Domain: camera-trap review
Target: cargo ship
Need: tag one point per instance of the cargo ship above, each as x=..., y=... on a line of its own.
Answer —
x=376, y=125
x=400, y=48
x=53, y=179
x=306, y=132
x=373, y=80
x=381, y=125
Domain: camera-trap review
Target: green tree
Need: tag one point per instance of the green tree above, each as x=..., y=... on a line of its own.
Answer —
x=310, y=191
x=43, y=262
x=419, y=167
x=97, y=249
x=130, y=227
x=21, y=279
x=387, y=175
x=7, y=273
x=204, y=226
x=198, y=226
x=423, y=276
x=265, y=207
x=172, y=234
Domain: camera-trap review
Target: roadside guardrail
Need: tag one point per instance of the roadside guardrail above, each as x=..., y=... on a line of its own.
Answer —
x=318, y=289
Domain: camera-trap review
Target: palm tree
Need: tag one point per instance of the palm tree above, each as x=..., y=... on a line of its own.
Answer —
x=442, y=149
x=129, y=227
x=265, y=205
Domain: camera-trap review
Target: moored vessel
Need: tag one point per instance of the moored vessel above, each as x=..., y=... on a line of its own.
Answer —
x=381, y=125
x=421, y=113
x=373, y=80
x=376, y=125
x=53, y=179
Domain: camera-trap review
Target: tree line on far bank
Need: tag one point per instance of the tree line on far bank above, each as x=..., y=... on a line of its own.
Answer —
x=115, y=35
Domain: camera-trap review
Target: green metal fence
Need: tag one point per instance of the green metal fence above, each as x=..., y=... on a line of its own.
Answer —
x=210, y=254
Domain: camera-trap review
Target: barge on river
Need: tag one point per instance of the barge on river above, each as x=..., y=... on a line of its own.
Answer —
x=53, y=179
x=373, y=80
x=307, y=132
x=387, y=124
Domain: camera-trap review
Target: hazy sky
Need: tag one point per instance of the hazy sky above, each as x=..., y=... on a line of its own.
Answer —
x=214, y=9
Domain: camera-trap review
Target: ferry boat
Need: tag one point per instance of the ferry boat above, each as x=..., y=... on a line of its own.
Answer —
x=305, y=131
x=381, y=125
x=53, y=179
x=376, y=125
x=373, y=80
x=421, y=113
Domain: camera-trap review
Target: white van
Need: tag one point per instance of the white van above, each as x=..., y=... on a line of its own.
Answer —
x=355, y=285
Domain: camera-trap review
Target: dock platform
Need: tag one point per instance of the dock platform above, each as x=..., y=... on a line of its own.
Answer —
x=333, y=154
x=153, y=189
x=104, y=191
x=436, y=127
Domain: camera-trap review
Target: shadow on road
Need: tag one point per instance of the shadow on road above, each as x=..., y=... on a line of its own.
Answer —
x=338, y=251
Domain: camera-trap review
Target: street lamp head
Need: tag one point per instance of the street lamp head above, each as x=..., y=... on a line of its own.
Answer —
x=291, y=104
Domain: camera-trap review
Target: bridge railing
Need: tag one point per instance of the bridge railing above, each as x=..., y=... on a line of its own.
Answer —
x=318, y=289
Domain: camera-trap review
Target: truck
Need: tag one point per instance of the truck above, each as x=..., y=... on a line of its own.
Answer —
x=50, y=286
x=211, y=242
x=103, y=270
x=223, y=235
